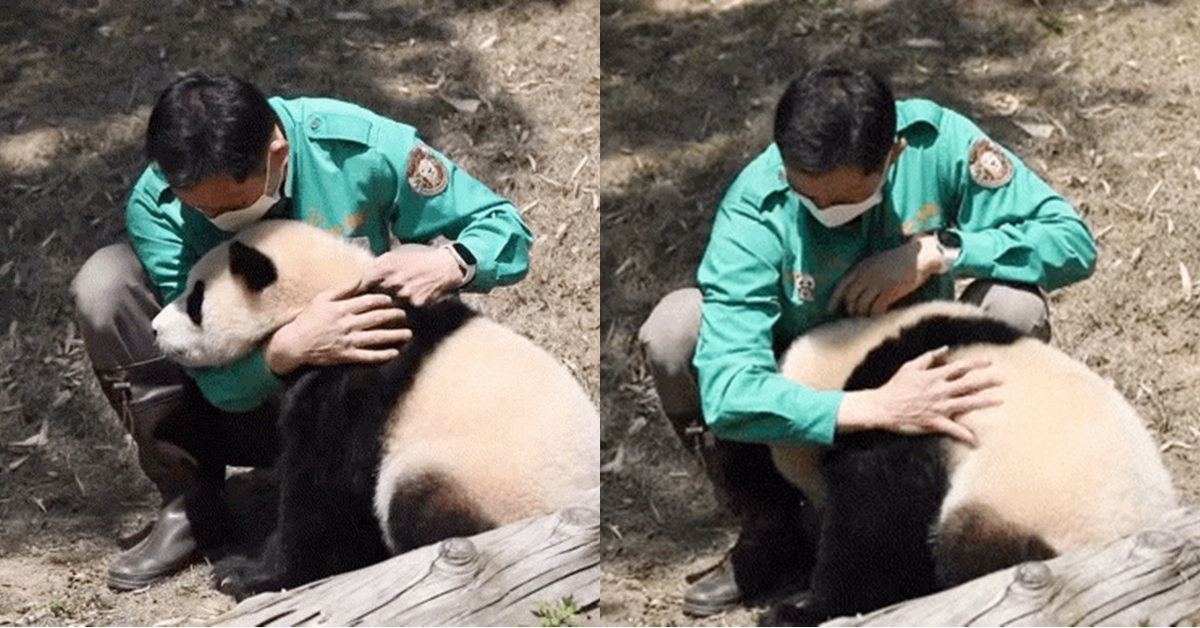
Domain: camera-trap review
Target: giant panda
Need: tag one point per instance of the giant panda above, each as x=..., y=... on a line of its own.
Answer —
x=1063, y=463
x=471, y=427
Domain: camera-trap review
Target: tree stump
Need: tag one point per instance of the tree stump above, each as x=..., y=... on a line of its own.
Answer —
x=1151, y=578
x=495, y=578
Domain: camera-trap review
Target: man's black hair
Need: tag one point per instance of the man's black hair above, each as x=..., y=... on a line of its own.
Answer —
x=207, y=125
x=832, y=117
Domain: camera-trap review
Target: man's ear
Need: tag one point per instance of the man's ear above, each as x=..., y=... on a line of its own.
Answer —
x=256, y=270
x=278, y=147
x=897, y=147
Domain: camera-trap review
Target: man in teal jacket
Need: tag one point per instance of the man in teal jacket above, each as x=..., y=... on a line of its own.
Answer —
x=223, y=157
x=860, y=204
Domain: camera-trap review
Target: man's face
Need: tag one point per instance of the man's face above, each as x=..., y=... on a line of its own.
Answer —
x=840, y=186
x=221, y=193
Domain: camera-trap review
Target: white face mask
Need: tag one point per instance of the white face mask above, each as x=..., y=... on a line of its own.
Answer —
x=838, y=215
x=239, y=219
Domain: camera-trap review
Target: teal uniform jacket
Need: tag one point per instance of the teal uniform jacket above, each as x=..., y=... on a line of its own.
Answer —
x=348, y=173
x=770, y=267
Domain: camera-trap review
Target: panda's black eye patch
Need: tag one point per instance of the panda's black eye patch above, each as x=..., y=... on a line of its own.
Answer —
x=256, y=269
x=195, y=301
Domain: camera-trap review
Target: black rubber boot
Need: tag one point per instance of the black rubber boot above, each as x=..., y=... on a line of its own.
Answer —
x=174, y=436
x=169, y=548
x=715, y=592
x=776, y=546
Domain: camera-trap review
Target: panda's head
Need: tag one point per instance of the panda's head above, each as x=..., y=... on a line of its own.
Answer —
x=245, y=289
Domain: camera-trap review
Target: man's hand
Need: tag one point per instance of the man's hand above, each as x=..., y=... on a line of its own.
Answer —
x=338, y=328
x=878, y=282
x=927, y=395
x=418, y=277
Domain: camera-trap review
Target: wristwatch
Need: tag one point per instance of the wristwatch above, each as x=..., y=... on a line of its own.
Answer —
x=464, y=258
x=949, y=245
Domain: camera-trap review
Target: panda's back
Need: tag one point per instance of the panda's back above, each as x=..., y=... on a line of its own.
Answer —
x=500, y=418
x=1065, y=454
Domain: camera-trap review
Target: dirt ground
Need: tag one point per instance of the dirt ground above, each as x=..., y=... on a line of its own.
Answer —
x=509, y=89
x=1099, y=96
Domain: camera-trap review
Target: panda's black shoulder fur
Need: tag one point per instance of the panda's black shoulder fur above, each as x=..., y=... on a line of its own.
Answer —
x=330, y=428
x=430, y=324
x=365, y=394
x=925, y=335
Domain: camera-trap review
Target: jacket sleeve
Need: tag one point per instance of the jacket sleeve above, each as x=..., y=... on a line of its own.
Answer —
x=1021, y=231
x=465, y=211
x=156, y=233
x=743, y=395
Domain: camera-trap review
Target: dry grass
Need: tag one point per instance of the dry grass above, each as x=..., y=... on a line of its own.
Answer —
x=1098, y=96
x=508, y=89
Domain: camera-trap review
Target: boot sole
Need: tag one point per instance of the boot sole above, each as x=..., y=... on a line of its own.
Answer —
x=695, y=608
x=118, y=582
x=125, y=583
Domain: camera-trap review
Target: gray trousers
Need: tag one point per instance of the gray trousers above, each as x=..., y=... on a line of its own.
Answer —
x=183, y=441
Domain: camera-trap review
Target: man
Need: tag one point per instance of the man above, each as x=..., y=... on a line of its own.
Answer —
x=223, y=157
x=859, y=205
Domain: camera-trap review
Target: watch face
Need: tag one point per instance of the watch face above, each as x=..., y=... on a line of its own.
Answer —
x=464, y=253
x=950, y=239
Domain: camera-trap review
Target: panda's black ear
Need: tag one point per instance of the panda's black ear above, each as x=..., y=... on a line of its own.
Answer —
x=256, y=269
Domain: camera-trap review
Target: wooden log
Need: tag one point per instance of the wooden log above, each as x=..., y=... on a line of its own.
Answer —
x=492, y=579
x=1151, y=579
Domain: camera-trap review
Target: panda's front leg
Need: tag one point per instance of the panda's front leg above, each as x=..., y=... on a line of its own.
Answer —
x=884, y=494
x=325, y=527
x=243, y=576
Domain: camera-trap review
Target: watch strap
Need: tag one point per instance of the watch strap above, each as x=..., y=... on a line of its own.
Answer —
x=949, y=245
x=465, y=260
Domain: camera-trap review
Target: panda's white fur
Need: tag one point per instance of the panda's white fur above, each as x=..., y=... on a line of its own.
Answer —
x=460, y=417
x=1064, y=459
x=236, y=320
x=487, y=414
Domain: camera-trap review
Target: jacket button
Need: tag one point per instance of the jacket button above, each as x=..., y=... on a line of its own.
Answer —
x=315, y=124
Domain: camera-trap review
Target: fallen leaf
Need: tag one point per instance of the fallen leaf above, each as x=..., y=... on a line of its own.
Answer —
x=1035, y=129
x=1153, y=191
x=59, y=399
x=1186, y=278
x=37, y=440
x=923, y=42
x=617, y=463
x=463, y=105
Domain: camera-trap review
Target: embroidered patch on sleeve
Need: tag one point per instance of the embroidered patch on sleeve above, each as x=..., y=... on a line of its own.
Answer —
x=988, y=164
x=805, y=286
x=426, y=174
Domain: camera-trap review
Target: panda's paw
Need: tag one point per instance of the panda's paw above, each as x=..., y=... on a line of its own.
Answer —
x=242, y=577
x=800, y=610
